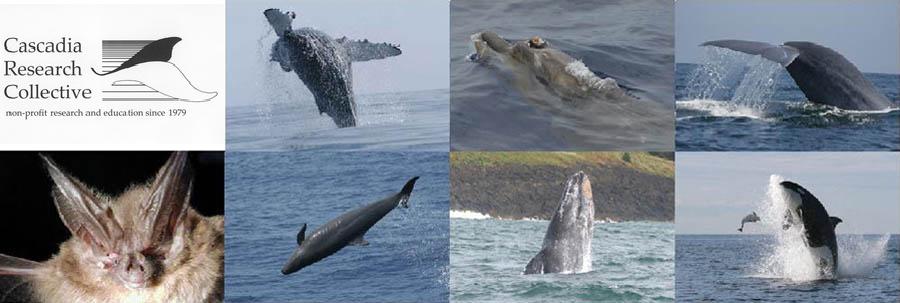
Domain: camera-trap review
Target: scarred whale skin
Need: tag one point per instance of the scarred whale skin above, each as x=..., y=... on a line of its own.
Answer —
x=567, y=243
x=346, y=229
x=824, y=75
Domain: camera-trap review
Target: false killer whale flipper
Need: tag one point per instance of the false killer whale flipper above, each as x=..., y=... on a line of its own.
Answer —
x=819, y=227
x=566, y=76
x=748, y=219
x=567, y=243
x=824, y=75
x=346, y=229
x=323, y=63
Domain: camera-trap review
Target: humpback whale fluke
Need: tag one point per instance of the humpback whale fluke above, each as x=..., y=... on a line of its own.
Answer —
x=823, y=74
x=567, y=243
x=748, y=219
x=323, y=63
x=347, y=229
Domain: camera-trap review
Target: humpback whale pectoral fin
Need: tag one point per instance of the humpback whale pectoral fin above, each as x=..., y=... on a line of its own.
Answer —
x=279, y=21
x=782, y=54
x=363, y=50
x=301, y=235
x=406, y=192
x=835, y=221
x=359, y=241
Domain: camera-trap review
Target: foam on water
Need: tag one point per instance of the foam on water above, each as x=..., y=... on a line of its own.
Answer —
x=790, y=258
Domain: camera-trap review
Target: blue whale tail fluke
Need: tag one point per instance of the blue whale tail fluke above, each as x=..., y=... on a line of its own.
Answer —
x=406, y=191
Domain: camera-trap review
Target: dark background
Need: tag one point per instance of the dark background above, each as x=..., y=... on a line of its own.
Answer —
x=30, y=226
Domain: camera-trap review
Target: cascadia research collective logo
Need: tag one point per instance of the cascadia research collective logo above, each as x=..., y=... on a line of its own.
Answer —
x=140, y=70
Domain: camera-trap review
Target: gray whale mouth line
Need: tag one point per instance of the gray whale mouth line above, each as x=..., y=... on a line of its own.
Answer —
x=347, y=229
x=567, y=243
x=824, y=75
x=323, y=63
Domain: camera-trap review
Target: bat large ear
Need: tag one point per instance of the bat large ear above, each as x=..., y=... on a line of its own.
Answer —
x=165, y=208
x=81, y=211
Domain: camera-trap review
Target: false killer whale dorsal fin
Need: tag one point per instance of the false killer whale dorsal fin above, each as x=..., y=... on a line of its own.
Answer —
x=159, y=50
x=406, y=191
x=364, y=50
x=359, y=241
x=301, y=235
x=280, y=22
x=835, y=221
x=782, y=54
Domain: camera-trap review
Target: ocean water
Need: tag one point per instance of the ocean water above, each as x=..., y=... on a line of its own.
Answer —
x=387, y=121
x=733, y=268
x=630, y=41
x=736, y=101
x=632, y=262
x=269, y=195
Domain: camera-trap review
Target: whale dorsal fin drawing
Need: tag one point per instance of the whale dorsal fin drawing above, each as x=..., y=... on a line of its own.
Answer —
x=824, y=75
x=323, y=63
x=159, y=50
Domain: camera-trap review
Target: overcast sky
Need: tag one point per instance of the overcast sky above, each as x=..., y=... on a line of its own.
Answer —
x=421, y=27
x=864, y=31
x=715, y=190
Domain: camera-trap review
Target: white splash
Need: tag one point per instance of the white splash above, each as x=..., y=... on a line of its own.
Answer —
x=752, y=77
x=590, y=80
x=468, y=214
x=790, y=258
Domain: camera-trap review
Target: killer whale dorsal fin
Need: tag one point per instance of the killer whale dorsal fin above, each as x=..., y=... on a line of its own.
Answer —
x=280, y=22
x=835, y=221
x=301, y=235
x=782, y=54
x=364, y=50
x=159, y=50
x=359, y=241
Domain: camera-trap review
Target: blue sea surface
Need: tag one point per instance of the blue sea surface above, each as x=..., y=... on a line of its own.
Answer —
x=726, y=268
x=738, y=102
x=631, y=261
x=269, y=195
x=388, y=121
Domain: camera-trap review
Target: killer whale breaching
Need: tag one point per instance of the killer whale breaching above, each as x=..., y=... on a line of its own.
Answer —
x=817, y=226
x=567, y=243
x=346, y=229
x=824, y=75
x=323, y=63
x=566, y=76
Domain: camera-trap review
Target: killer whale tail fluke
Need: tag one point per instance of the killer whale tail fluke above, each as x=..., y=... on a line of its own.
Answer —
x=364, y=50
x=406, y=191
x=159, y=50
x=783, y=54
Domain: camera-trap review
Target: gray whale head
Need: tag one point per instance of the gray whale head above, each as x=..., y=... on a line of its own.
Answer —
x=567, y=243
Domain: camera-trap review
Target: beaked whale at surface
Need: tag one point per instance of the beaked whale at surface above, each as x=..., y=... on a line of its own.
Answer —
x=824, y=75
x=566, y=76
x=567, y=243
x=346, y=229
x=323, y=63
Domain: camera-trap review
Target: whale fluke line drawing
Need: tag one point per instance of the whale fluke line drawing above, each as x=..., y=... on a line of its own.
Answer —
x=323, y=63
x=149, y=67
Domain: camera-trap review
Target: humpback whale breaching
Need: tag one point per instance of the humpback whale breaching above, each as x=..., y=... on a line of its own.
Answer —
x=818, y=226
x=567, y=244
x=346, y=229
x=822, y=74
x=323, y=63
